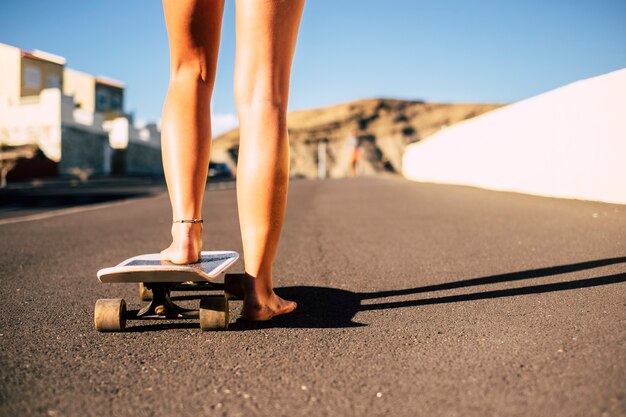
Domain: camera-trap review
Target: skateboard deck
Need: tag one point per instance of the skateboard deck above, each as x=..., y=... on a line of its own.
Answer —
x=150, y=268
x=158, y=278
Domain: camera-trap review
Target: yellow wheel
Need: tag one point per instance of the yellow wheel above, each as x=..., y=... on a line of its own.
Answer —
x=110, y=315
x=214, y=313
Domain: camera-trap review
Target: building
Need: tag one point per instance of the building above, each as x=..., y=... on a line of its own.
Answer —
x=76, y=120
x=28, y=73
x=95, y=93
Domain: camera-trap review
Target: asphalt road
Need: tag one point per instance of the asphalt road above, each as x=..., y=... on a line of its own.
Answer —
x=414, y=299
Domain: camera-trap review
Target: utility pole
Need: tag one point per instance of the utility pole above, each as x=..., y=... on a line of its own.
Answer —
x=321, y=158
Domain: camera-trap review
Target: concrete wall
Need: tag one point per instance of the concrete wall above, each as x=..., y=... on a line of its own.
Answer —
x=569, y=143
x=83, y=151
x=143, y=159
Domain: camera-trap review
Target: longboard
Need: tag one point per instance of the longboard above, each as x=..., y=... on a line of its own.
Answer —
x=157, y=278
x=150, y=268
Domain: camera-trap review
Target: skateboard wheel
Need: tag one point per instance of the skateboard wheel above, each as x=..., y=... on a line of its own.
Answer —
x=110, y=315
x=233, y=286
x=144, y=293
x=214, y=313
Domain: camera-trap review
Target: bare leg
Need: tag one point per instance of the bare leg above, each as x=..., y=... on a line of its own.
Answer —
x=266, y=39
x=193, y=28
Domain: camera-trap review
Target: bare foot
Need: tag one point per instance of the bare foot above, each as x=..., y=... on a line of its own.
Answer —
x=186, y=244
x=262, y=304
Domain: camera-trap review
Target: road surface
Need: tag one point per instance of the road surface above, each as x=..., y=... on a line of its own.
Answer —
x=414, y=299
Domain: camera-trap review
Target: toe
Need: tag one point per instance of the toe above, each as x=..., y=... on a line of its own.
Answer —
x=291, y=306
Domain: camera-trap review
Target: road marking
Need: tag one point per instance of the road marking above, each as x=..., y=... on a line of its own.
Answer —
x=72, y=210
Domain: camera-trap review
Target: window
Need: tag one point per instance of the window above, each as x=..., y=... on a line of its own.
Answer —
x=116, y=102
x=32, y=77
x=102, y=100
x=54, y=81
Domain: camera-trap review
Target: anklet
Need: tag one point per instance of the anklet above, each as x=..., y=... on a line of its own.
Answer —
x=189, y=221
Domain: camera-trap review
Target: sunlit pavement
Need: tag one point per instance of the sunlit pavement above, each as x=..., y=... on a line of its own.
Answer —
x=414, y=299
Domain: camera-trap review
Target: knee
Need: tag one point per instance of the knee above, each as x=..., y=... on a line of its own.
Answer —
x=260, y=97
x=192, y=69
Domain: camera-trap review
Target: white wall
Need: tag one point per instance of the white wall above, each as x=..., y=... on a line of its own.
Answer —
x=122, y=132
x=569, y=142
x=35, y=120
x=38, y=120
x=10, y=77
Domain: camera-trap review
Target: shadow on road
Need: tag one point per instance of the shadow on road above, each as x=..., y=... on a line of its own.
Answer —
x=324, y=307
x=62, y=199
x=72, y=193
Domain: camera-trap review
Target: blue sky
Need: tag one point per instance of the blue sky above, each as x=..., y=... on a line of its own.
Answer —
x=444, y=50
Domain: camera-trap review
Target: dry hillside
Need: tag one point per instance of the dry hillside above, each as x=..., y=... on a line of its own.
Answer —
x=383, y=127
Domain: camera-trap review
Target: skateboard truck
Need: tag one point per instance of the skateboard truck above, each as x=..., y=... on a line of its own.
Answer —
x=233, y=286
x=161, y=305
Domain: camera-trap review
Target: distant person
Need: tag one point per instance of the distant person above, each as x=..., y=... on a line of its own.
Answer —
x=354, y=153
x=266, y=39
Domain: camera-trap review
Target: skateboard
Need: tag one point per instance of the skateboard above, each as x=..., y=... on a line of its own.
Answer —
x=158, y=278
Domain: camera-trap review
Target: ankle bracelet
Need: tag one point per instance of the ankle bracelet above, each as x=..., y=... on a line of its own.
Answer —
x=189, y=221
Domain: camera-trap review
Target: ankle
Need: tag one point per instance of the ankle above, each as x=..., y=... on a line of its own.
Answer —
x=186, y=230
x=258, y=288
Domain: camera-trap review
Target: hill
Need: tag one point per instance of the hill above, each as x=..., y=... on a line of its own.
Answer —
x=384, y=127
